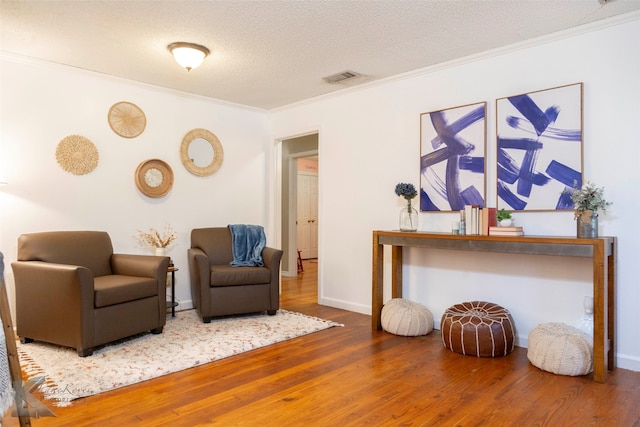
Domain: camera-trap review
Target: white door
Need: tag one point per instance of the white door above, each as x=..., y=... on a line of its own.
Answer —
x=307, y=216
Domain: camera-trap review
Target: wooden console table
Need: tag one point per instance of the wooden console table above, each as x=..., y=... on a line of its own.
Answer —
x=601, y=250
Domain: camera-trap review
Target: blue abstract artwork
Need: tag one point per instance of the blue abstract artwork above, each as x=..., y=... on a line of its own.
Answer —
x=539, y=149
x=452, y=158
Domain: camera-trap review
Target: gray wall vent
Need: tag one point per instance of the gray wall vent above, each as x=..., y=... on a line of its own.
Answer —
x=341, y=77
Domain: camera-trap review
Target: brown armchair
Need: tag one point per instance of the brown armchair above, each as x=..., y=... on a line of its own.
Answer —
x=218, y=289
x=72, y=290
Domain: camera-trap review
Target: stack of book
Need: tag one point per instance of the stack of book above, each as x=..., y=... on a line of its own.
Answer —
x=478, y=220
x=506, y=231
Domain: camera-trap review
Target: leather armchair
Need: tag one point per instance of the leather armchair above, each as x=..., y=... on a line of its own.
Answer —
x=219, y=289
x=72, y=290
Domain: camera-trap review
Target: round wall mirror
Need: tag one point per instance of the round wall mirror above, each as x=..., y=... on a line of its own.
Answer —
x=201, y=152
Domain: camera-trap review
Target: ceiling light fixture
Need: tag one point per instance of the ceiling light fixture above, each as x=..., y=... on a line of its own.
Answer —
x=189, y=55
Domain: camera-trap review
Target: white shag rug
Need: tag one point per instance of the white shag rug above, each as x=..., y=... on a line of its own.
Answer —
x=184, y=343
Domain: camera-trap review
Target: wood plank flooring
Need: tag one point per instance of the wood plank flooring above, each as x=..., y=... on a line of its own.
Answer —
x=353, y=376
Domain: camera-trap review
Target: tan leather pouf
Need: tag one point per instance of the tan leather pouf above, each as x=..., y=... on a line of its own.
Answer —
x=561, y=349
x=478, y=328
x=403, y=317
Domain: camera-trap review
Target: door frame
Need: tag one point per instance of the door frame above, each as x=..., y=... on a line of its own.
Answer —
x=282, y=211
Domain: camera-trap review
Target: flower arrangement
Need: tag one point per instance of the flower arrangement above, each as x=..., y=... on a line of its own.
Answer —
x=408, y=191
x=588, y=198
x=408, y=215
x=155, y=239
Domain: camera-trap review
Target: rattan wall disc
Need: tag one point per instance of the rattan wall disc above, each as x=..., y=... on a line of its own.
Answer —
x=127, y=119
x=216, y=160
x=77, y=155
x=154, y=178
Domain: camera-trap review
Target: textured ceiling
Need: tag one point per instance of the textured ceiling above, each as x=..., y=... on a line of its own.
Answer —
x=268, y=54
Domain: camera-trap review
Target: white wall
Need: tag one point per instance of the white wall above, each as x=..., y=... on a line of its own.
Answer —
x=369, y=141
x=43, y=103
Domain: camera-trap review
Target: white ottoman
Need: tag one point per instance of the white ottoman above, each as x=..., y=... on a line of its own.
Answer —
x=407, y=318
x=561, y=349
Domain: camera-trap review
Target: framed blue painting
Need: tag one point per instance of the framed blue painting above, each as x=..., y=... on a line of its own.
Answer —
x=452, y=158
x=539, y=148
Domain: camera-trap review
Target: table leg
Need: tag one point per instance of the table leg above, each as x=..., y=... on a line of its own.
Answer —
x=396, y=271
x=611, y=296
x=377, y=283
x=600, y=313
x=173, y=294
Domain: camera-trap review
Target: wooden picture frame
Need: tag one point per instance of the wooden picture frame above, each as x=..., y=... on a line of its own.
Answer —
x=539, y=148
x=453, y=158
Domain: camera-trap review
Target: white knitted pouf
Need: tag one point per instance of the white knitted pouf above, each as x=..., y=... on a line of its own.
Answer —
x=561, y=349
x=407, y=318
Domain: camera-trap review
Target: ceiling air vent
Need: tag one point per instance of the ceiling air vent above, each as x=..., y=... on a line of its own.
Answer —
x=341, y=77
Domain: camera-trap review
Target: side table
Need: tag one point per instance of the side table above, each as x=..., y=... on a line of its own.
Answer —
x=172, y=304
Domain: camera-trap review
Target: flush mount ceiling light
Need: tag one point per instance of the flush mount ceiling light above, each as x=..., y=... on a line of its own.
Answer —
x=189, y=55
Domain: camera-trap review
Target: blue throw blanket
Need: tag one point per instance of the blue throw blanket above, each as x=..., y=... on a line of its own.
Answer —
x=247, y=242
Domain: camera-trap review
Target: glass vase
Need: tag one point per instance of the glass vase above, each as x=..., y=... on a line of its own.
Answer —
x=408, y=218
x=587, y=224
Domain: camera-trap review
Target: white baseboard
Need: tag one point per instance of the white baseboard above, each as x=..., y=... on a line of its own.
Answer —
x=345, y=305
x=184, y=305
x=287, y=273
x=625, y=361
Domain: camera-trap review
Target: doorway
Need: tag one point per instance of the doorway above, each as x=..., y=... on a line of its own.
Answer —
x=307, y=207
x=299, y=152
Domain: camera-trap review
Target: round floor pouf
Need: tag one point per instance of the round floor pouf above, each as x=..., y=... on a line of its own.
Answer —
x=407, y=318
x=478, y=328
x=561, y=349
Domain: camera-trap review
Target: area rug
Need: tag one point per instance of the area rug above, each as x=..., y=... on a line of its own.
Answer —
x=185, y=342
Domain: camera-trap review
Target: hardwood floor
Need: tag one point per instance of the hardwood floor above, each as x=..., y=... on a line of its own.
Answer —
x=353, y=376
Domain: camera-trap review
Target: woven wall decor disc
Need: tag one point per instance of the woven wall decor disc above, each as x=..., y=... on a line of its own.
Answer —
x=77, y=155
x=127, y=119
x=154, y=178
x=218, y=152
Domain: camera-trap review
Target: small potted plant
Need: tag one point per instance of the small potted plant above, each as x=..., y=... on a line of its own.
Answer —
x=588, y=202
x=504, y=218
